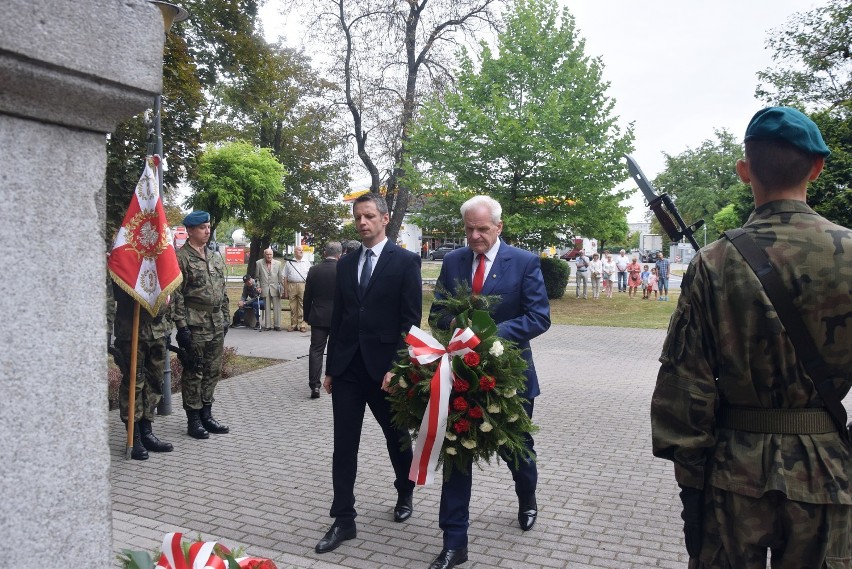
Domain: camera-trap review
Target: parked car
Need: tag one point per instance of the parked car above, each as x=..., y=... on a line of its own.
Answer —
x=438, y=254
x=650, y=256
x=571, y=255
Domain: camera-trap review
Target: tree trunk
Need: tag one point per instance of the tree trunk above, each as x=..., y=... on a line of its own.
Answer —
x=258, y=245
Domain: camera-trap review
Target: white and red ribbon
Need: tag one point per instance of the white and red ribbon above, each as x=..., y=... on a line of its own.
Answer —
x=425, y=349
x=201, y=556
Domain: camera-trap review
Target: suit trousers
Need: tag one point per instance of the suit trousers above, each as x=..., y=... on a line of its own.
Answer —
x=351, y=392
x=454, y=513
x=296, y=292
x=273, y=305
x=319, y=338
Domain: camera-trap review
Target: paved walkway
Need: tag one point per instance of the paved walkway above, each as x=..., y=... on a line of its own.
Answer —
x=604, y=501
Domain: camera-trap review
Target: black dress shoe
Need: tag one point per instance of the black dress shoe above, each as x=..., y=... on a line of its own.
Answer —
x=403, y=509
x=334, y=537
x=315, y=393
x=527, y=513
x=449, y=558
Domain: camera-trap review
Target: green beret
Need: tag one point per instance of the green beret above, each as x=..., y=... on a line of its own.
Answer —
x=789, y=125
x=197, y=217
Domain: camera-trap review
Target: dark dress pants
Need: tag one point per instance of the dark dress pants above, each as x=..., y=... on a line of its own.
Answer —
x=454, y=514
x=319, y=337
x=351, y=392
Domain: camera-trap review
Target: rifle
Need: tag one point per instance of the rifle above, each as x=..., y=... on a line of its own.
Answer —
x=663, y=207
x=185, y=360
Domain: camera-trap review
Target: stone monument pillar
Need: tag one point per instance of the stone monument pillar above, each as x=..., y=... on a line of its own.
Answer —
x=70, y=70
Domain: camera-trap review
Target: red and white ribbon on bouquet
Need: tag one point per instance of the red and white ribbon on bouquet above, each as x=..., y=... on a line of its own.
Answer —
x=201, y=556
x=425, y=349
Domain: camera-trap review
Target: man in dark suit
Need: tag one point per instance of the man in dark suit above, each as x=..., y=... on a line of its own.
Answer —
x=377, y=298
x=318, y=302
x=492, y=267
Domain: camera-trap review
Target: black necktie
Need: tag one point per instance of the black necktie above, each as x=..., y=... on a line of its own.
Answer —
x=366, y=270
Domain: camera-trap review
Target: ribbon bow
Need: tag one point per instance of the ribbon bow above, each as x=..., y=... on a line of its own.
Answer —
x=424, y=348
x=201, y=556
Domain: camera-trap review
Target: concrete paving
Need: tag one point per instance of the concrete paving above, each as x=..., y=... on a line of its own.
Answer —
x=604, y=501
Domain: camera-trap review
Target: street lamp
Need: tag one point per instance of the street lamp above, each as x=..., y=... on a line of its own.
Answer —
x=172, y=13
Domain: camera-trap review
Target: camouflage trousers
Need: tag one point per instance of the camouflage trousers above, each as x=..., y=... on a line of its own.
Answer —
x=739, y=530
x=150, y=363
x=197, y=386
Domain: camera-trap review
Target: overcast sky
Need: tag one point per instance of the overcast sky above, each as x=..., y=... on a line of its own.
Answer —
x=678, y=69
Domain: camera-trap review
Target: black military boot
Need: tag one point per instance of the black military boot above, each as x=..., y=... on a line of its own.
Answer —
x=193, y=425
x=150, y=440
x=138, y=451
x=210, y=423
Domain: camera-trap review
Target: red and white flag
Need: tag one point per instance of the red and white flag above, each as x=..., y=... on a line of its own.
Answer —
x=143, y=260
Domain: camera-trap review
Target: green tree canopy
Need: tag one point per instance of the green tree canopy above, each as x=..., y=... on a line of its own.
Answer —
x=703, y=180
x=533, y=128
x=238, y=181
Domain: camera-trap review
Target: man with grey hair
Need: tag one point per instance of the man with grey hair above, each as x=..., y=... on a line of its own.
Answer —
x=319, y=301
x=269, y=275
x=491, y=267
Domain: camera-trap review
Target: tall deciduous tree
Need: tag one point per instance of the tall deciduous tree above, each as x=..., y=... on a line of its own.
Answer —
x=535, y=129
x=813, y=71
x=238, y=181
x=284, y=106
x=703, y=180
x=381, y=50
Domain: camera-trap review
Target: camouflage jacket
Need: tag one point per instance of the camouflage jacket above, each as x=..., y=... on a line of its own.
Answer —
x=726, y=346
x=202, y=298
x=150, y=327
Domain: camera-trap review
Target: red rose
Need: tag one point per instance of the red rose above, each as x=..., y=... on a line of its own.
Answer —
x=461, y=426
x=410, y=393
x=471, y=359
x=459, y=404
x=487, y=383
x=475, y=413
x=414, y=377
x=460, y=385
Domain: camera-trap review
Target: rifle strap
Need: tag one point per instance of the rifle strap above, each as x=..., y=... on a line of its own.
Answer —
x=802, y=341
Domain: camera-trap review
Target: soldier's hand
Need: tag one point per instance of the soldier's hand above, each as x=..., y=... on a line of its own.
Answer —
x=184, y=338
x=693, y=506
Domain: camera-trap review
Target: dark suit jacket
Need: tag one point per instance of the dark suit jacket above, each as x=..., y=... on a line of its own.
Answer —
x=319, y=293
x=524, y=310
x=378, y=322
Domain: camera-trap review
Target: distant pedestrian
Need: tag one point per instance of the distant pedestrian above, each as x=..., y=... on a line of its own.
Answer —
x=319, y=302
x=663, y=267
x=634, y=278
x=295, y=274
x=582, y=276
x=652, y=284
x=621, y=263
x=609, y=270
x=645, y=276
x=270, y=275
x=596, y=270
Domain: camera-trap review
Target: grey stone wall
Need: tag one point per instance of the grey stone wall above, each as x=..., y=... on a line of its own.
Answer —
x=69, y=72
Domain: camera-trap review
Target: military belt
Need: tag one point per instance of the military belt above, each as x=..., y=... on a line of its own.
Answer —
x=777, y=421
x=205, y=307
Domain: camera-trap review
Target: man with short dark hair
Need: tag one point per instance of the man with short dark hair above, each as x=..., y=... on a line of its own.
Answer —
x=319, y=302
x=250, y=298
x=760, y=462
x=377, y=299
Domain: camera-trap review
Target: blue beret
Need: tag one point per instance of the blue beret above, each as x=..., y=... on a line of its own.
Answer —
x=197, y=217
x=789, y=125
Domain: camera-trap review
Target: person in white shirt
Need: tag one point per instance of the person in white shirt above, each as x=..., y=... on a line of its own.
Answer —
x=582, y=273
x=596, y=270
x=621, y=263
x=295, y=275
x=609, y=269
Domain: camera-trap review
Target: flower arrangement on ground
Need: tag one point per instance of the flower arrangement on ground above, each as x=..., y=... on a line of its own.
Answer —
x=178, y=554
x=484, y=413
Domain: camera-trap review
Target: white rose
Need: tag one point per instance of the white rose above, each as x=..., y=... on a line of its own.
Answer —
x=485, y=427
x=496, y=349
x=509, y=393
x=469, y=444
x=451, y=436
x=493, y=408
x=450, y=450
x=402, y=383
x=501, y=442
x=512, y=419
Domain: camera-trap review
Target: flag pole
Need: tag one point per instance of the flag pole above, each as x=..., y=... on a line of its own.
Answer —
x=131, y=396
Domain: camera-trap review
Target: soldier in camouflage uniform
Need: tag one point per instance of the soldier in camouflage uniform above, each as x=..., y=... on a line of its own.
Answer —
x=727, y=359
x=202, y=316
x=150, y=364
